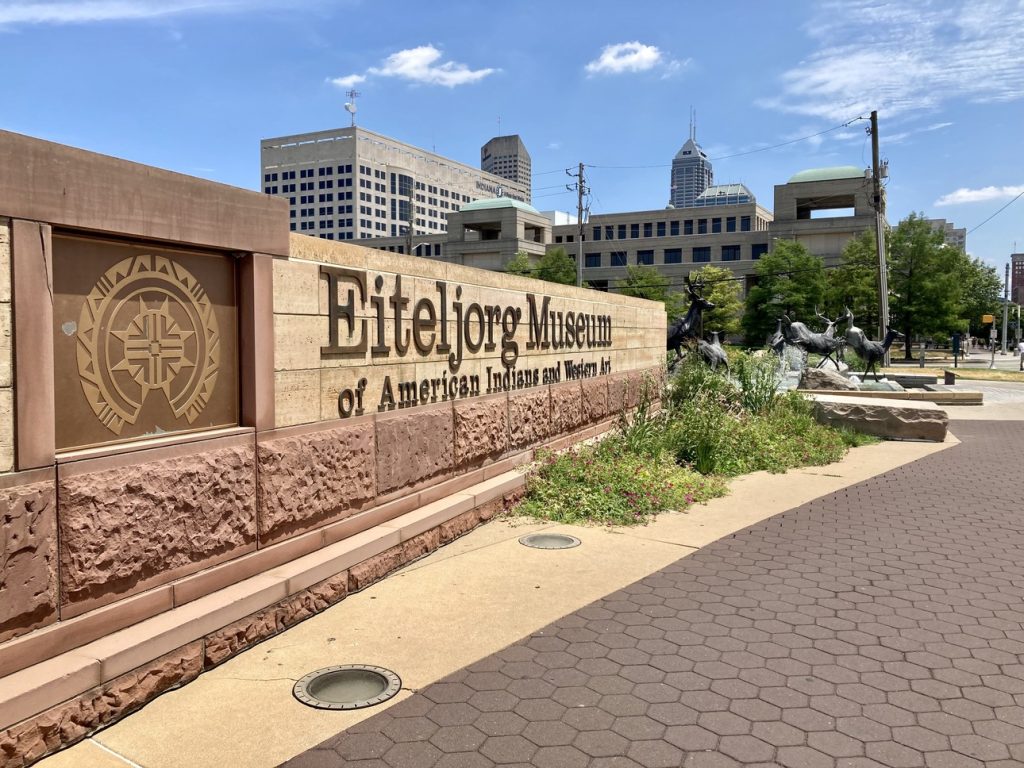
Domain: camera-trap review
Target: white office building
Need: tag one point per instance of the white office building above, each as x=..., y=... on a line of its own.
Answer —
x=351, y=183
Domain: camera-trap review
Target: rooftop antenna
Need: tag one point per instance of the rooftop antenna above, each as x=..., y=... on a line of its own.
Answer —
x=350, y=106
x=693, y=124
x=499, y=125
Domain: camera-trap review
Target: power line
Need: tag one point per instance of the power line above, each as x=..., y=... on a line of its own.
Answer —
x=986, y=221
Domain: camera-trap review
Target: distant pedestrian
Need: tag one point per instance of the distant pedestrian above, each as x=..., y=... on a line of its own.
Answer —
x=1020, y=351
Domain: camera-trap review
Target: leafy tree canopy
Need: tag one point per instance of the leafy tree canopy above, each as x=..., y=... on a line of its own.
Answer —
x=723, y=290
x=555, y=266
x=854, y=284
x=791, y=281
x=646, y=282
x=924, y=280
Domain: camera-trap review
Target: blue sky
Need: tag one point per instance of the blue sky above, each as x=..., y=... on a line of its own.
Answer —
x=193, y=86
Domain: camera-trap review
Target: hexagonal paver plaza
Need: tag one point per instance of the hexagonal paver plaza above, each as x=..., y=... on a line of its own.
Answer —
x=882, y=625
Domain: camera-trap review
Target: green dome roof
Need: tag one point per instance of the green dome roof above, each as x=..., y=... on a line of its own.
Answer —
x=828, y=174
x=490, y=203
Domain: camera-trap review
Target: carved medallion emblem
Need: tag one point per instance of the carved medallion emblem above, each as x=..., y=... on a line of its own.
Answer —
x=147, y=329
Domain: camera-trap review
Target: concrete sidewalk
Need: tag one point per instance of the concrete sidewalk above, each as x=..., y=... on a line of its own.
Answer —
x=881, y=625
x=451, y=609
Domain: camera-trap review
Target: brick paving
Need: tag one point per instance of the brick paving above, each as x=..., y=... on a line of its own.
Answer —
x=882, y=625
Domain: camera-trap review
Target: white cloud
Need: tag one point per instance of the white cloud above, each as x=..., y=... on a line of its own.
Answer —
x=900, y=56
x=422, y=65
x=984, y=194
x=632, y=57
x=29, y=12
x=348, y=81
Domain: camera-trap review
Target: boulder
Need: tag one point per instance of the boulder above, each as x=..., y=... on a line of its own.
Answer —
x=883, y=417
x=822, y=378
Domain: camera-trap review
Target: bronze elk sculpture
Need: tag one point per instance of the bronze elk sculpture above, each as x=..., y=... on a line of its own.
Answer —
x=824, y=343
x=688, y=327
x=870, y=351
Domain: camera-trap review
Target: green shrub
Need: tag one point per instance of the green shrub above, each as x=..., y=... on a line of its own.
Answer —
x=758, y=379
x=694, y=378
x=608, y=484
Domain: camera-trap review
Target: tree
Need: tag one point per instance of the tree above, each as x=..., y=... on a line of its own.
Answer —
x=556, y=266
x=520, y=264
x=924, y=275
x=723, y=290
x=646, y=282
x=854, y=283
x=790, y=280
x=980, y=286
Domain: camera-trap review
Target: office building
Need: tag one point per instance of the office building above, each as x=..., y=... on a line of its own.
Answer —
x=956, y=237
x=1017, y=278
x=351, y=183
x=506, y=156
x=691, y=173
x=822, y=208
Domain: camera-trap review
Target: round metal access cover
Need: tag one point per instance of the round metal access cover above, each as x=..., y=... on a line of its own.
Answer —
x=550, y=541
x=348, y=686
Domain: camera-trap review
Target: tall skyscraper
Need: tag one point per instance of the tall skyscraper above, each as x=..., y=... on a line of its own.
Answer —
x=691, y=172
x=506, y=156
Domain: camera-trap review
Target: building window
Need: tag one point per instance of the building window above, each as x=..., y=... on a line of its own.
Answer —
x=730, y=224
x=597, y=233
x=558, y=238
x=570, y=238
x=648, y=229
x=622, y=231
x=618, y=258
x=592, y=260
x=716, y=226
x=688, y=227
x=609, y=233
x=744, y=224
x=757, y=250
x=702, y=254
x=661, y=229
x=702, y=226
x=673, y=255
x=634, y=231
x=730, y=253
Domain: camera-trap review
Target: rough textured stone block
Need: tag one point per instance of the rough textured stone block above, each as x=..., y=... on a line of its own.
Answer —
x=595, y=399
x=31, y=739
x=529, y=417
x=28, y=558
x=894, y=419
x=481, y=429
x=314, y=478
x=153, y=521
x=374, y=568
x=256, y=627
x=822, y=378
x=566, y=408
x=414, y=446
x=421, y=545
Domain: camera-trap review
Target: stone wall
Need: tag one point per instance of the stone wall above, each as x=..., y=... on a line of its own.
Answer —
x=97, y=539
x=6, y=362
x=307, y=384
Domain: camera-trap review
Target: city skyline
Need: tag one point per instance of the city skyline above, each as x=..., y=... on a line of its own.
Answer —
x=194, y=87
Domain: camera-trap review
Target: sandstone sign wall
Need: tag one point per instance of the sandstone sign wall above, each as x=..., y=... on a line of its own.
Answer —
x=190, y=396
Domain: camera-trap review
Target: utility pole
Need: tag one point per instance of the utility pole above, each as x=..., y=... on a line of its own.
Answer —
x=1006, y=303
x=581, y=190
x=878, y=203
